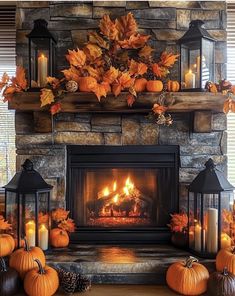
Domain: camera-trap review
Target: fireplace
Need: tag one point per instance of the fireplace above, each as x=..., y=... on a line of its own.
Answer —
x=122, y=193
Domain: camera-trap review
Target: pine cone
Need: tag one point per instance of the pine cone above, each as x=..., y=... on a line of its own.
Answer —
x=83, y=284
x=68, y=280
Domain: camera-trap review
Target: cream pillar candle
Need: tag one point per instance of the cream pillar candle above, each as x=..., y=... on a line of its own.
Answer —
x=198, y=238
x=43, y=237
x=189, y=79
x=226, y=240
x=42, y=70
x=30, y=233
x=212, y=231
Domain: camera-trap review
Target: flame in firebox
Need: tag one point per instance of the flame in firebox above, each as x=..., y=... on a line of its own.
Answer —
x=115, y=198
x=115, y=186
x=128, y=186
x=106, y=191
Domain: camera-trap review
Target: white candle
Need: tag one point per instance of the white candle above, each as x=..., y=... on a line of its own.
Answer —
x=198, y=238
x=42, y=71
x=189, y=79
x=43, y=237
x=226, y=240
x=30, y=233
x=212, y=232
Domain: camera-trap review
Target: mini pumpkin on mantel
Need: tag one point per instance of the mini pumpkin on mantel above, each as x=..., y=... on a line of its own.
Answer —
x=9, y=280
x=226, y=258
x=59, y=238
x=7, y=244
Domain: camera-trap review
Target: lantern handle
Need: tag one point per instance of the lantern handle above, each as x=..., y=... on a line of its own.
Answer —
x=27, y=165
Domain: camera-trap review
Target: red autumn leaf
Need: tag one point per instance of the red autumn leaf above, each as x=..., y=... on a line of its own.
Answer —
x=146, y=52
x=110, y=75
x=135, y=41
x=67, y=225
x=126, y=26
x=72, y=74
x=108, y=28
x=99, y=90
x=136, y=68
x=159, y=109
x=47, y=97
x=56, y=108
x=130, y=100
x=159, y=71
x=168, y=59
x=76, y=58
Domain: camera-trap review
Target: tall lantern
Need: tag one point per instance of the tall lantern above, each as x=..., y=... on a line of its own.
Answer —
x=197, y=63
x=211, y=210
x=41, y=54
x=27, y=206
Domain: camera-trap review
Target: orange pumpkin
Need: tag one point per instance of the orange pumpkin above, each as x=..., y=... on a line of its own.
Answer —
x=187, y=278
x=140, y=84
x=154, y=85
x=173, y=85
x=59, y=238
x=7, y=245
x=41, y=281
x=226, y=258
x=86, y=84
x=23, y=259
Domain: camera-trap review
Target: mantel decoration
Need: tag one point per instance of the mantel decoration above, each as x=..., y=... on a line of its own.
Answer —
x=211, y=202
x=27, y=207
x=179, y=228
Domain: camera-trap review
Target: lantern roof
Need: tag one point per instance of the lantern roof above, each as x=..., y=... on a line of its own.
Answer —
x=210, y=180
x=40, y=30
x=27, y=180
x=196, y=31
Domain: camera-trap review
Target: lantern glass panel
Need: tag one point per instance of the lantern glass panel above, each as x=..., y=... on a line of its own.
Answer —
x=207, y=61
x=227, y=229
x=11, y=211
x=43, y=216
x=29, y=218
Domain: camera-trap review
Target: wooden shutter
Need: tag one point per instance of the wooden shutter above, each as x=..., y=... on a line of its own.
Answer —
x=7, y=117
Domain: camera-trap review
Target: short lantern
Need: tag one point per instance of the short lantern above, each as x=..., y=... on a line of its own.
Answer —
x=27, y=207
x=197, y=63
x=41, y=54
x=211, y=210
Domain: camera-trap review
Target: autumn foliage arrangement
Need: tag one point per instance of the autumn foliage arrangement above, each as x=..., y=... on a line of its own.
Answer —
x=178, y=222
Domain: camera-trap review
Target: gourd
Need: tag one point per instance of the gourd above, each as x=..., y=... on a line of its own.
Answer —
x=154, y=85
x=7, y=245
x=226, y=258
x=9, y=280
x=86, y=84
x=173, y=85
x=140, y=84
x=41, y=281
x=59, y=238
x=187, y=278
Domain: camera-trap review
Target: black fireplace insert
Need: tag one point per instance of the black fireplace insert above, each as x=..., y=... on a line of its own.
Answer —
x=122, y=194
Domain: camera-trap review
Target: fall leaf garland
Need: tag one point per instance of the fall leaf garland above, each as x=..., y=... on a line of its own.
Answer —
x=60, y=217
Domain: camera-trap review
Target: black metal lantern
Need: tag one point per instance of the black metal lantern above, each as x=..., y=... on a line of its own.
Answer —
x=197, y=63
x=27, y=206
x=210, y=205
x=41, y=54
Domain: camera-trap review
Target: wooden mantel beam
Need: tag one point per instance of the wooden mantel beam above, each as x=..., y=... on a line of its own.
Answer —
x=87, y=102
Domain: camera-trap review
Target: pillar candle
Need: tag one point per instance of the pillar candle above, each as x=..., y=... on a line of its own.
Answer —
x=212, y=231
x=226, y=240
x=43, y=237
x=30, y=233
x=189, y=79
x=42, y=70
x=198, y=240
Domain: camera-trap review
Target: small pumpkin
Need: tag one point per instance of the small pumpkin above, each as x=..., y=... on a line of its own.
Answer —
x=41, y=281
x=59, y=238
x=9, y=280
x=221, y=284
x=7, y=245
x=154, y=85
x=226, y=258
x=140, y=84
x=187, y=278
x=86, y=84
x=23, y=259
x=173, y=85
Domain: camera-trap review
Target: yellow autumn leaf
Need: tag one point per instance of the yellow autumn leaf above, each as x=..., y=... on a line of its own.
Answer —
x=92, y=51
x=110, y=75
x=47, y=97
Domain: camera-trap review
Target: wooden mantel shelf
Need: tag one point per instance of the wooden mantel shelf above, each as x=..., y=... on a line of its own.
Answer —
x=87, y=102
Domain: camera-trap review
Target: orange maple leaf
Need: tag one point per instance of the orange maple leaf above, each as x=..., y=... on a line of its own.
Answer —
x=95, y=73
x=159, y=109
x=76, y=58
x=130, y=100
x=99, y=90
x=227, y=105
x=122, y=82
x=59, y=214
x=43, y=218
x=4, y=225
x=159, y=71
x=146, y=52
x=47, y=97
x=126, y=26
x=54, y=82
x=4, y=81
x=136, y=68
x=67, y=225
x=92, y=51
x=20, y=79
x=135, y=41
x=168, y=59
x=56, y=108
x=106, y=86
x=72, y=74
x=95, y=38
x=232, y=89
x=108, y=28
x=110, y=75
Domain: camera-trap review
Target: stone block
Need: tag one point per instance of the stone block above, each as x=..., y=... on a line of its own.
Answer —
x=112, y=139
x=221, y=52
x=71, y=126
x=137, y=4
x=42, y=122
x=155, y=13
x=32, y=4
x=205, y=15
x=79, y=138
x=32, y=14
x=63, y=38
x=202, y=122
x=110, y=3
x=82, y=117
x=167, y=34
x=156, y=24
x=220, y=71
x=149, y=133
x=21, y=36
x=187, y=175
x=177, y=134
x=175, y=4
x=224, y=143
x=33, y=139
x=106, y=128
x=217, y=5
x=80, y=10
x=79, y=37
x=219, y=35
x=104, y=119
x=23, y=122
x=183, y=19
x=114, y=12
x=219, y=122
x=130, y=130
x=198, y=161
x=213, y=138
x=200, y=150
x=64, y=116
x=224, y=19
x=39, y=150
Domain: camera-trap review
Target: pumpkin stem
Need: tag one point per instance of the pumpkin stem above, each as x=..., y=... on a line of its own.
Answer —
x=40, y=268
x=3, y=264
x=26, y=245
x=225, y=271
x=189, y=261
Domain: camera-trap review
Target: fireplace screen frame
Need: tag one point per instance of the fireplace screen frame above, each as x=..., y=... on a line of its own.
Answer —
x=139, y=156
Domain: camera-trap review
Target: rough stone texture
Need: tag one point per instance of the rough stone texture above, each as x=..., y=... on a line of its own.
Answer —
x=70, y=126
x=168, y=34
x=130, y=131
x=24, y=123
x=219, y=122
x=33, y=139
x=112, y=139
x=79, y=37
x=177, y=4
x=102, y=119
x=183, y=19
x=79, y=138
x=113, y=12
x=110, y=3
x=71, y=10
x=155, y=13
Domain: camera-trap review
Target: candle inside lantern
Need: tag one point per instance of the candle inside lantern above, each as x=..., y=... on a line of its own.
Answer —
x=190, y=79
x=42, y=70
x=212, y=231
x=43, y=237
x=198, y=241
x=226, y=240
x=30, y=233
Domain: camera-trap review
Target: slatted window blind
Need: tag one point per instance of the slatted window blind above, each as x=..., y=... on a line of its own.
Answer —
x=231, y=77
x=7, y=64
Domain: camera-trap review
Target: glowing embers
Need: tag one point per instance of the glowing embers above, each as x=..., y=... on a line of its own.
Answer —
x=120, y=203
